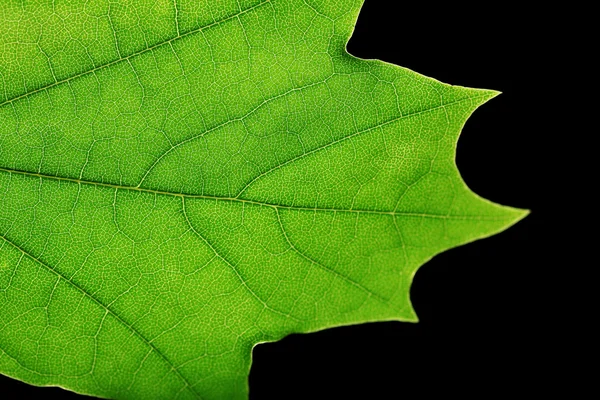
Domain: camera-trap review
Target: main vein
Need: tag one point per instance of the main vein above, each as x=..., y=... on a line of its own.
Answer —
x=245, y=201
x=238, y=199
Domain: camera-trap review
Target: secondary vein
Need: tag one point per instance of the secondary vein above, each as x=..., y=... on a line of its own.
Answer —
x=132, y=55
x=107, y=309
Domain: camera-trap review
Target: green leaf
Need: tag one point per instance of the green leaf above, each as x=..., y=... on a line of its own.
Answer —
x=181, y=180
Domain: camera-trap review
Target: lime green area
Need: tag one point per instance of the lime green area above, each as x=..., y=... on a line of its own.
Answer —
x=181, y=180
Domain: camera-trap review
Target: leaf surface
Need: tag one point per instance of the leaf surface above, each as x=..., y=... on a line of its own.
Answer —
x=181, y=180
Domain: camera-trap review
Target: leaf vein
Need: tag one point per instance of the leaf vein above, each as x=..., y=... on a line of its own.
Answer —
x=353, y=135
x=132, y=55
x=107, y=309
x=241, y=278
x=253, y=202
x=339, y=275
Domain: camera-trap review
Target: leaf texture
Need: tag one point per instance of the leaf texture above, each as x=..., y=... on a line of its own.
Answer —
x=181, y=180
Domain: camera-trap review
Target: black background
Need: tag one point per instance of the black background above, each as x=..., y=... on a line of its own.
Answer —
x=477, y=304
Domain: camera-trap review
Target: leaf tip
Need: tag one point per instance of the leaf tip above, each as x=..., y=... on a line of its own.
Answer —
x=486, y=95
x=518, y=214
x=413, y=319
x=509, y=217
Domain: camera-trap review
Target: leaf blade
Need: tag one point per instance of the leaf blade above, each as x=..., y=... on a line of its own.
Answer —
x=218, y=190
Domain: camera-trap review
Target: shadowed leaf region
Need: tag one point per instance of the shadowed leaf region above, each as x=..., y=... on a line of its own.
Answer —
x=181, y=180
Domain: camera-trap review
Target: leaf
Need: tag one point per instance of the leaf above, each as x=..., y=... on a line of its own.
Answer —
x=180, y=181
